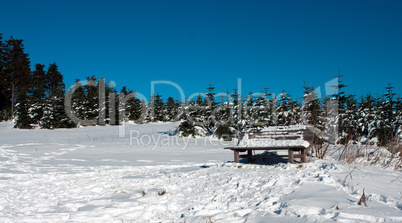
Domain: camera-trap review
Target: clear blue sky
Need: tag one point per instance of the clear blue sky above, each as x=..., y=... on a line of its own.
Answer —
x=275, y=44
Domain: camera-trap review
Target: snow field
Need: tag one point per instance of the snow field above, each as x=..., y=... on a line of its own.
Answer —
x=91, y=175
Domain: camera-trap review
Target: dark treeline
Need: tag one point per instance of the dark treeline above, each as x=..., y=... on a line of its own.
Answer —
x=36, y=98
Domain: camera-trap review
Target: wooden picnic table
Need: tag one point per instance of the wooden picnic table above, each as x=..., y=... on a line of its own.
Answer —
x=274, y=138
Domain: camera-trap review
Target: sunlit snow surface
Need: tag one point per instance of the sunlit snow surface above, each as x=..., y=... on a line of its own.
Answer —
x=90, y=174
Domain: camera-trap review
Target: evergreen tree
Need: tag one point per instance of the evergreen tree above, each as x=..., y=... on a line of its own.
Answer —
x=125, y=106
x=284, y=109
x=38, y=92
x=18, y=74
x=159, y=108
x=4, y=83
x=261, y=110
x=311, y=108
x=149, y=115
x=386, y=124
x=91, y=102
x=340, y=97
x=172, y=109
x=136, y=108
x=248, y=110
x=22, y=118
x=237, y=112
x=351, y=128
x=78, y=98
x=367, y=118
x=112, y=113
x=133, y=106
x=54, y=115
x=209, y=115
x=398, y=119
x=186, y=128
x=222, y=113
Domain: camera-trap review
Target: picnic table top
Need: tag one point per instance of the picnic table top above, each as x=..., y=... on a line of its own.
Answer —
x=278, y=137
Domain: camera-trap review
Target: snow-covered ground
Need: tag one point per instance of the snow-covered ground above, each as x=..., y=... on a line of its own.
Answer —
x=92, y=175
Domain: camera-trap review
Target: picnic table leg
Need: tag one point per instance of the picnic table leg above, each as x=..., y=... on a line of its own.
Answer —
x=303, y=155
x=290, y=154
x=250, y=154
x=236, y=156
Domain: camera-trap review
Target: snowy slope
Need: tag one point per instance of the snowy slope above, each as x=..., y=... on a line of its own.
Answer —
x=93, y=175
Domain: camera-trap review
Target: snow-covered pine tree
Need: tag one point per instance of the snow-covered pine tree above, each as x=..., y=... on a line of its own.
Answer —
x=285, y=109
x=209, y=114
x=351, y=128
x=91, y=101
x=149, y=115
x=136, y=108
x=172, y=109
x=398, y=119
x=261, y=110
x=78, y=98
x=54, y=115
x=125, y=106
x=193, y=118
x=19, y=72
x=248, y=110
x=38, y=93
x=367, y=117
x=224, y=126
x=159, y=108
x=5, y=87
x=311, y=108
x=386, y=124
x=340, y=98
x=237, y=113
x=22, y=119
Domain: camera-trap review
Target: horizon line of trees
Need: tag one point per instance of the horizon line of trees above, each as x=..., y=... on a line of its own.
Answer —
x=36, y=98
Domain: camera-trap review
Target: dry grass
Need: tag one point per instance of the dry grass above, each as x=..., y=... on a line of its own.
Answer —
x=387, y=157
x=207, y=220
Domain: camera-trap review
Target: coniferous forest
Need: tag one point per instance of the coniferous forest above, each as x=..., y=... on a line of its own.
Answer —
x=35, y=98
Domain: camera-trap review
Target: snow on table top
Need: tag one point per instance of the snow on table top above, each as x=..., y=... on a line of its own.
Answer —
x=281, y=128
x=267, y=142
x=274, y=136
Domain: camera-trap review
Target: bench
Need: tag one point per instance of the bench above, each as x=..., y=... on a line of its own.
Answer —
x=295, y=139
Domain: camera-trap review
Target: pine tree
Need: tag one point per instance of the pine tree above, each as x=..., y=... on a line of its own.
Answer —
x=209, y=115
x=91, y=101
x=386, y=124
x=398, y=119
x=284, y=109
x=22, y=118
x=78, y=98
x=4, y=83
x=224, y=126
x=311, y=108
x=54, y=115
x=172, y=109
x=149, y=115
x=126, y=105
x=38, y=92
x=159, y=108
x=340, y=98
x=18, y=69
x=367, y=118
x=237, y=111
x=112, y=104
x=248, y=105
x=351, y=128
x=261, y=110
x=136, y=108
